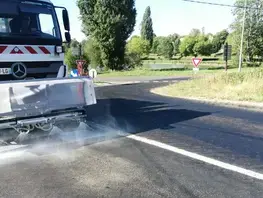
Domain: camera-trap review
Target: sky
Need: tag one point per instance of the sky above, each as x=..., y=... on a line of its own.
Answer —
x=169, y=16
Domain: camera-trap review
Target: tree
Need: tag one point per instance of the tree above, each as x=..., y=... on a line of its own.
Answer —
x=202, y=46
x=253, y=32
x=156, y=42
x=195, y=32
x=155, y=45
x=165, y=48
x=135, y=50
x=147, y=26
x=175, y=40
x=92, y=51
x=110, y=23
x=74, y=43
x=132, y=60
x=70, y=59
x=219, y=39
x=138, y=46
x=233, y=39
x=87, y=12
x=186, y=47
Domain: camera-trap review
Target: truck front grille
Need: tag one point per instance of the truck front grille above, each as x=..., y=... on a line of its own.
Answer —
x=35, y=70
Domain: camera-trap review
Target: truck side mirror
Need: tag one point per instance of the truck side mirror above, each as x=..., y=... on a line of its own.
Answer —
x=68, y=37
x=66, y=20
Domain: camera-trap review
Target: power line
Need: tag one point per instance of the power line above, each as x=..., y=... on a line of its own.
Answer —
x=214, y=4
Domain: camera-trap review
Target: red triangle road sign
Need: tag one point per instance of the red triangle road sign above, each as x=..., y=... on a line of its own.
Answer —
x=80, y=62
x=196, y=61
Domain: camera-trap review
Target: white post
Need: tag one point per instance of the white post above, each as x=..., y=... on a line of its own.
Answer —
x=242, y=38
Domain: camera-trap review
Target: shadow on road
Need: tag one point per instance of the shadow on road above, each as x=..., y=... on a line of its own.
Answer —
x=134, y=116
x=112, y=118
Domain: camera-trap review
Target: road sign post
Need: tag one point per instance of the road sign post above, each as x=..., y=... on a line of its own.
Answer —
x=75, y=51
x=196, y=62
x=78, y=51
x=227, y=54
x=80, y=65
x=93, y=73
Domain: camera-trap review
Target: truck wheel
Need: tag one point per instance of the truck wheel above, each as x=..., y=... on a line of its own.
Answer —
x=7, y=136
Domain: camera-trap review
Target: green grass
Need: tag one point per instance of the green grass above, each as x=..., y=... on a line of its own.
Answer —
x=207, y=63
x=244, y=86
x=148, y=72
x=185, y=62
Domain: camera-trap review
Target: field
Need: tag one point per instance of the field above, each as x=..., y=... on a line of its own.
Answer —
x=208, y=62
x=157, y=66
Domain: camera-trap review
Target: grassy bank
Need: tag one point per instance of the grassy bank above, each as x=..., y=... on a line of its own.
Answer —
x=163, y=73
x=244, y=86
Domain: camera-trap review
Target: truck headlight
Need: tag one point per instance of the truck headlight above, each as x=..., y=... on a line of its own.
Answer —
x=59, y=49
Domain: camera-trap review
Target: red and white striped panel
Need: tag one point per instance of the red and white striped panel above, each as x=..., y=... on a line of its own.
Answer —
x=26, y=49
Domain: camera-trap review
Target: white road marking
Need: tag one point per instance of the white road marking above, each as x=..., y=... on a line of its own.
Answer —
x=4, y=149
x=195, y=156
x=155, y=81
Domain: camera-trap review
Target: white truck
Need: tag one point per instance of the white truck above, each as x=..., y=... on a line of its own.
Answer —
x=36, y=93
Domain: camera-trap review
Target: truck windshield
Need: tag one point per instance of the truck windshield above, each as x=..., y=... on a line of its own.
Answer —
x=28, y=21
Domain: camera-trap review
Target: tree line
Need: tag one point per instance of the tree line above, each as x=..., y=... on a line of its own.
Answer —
x=108, y=26
x=194, y=44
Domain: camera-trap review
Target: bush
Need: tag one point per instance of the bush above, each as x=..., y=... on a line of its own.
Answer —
x=92, y=51
x=138, y=46
x=132, y=60
x=165, y=48
x=235, y=78
x=210, y=59
x=70, y=60
x=235, y=60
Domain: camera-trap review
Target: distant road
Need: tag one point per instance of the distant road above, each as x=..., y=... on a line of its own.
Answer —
x=141, y=79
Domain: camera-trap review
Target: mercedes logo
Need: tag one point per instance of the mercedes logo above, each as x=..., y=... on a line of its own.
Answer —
x=19, y=70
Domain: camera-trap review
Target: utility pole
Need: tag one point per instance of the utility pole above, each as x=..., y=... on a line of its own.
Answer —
x=80, y=51
x=242, y=38
x=226, y=55
x=80, y=62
